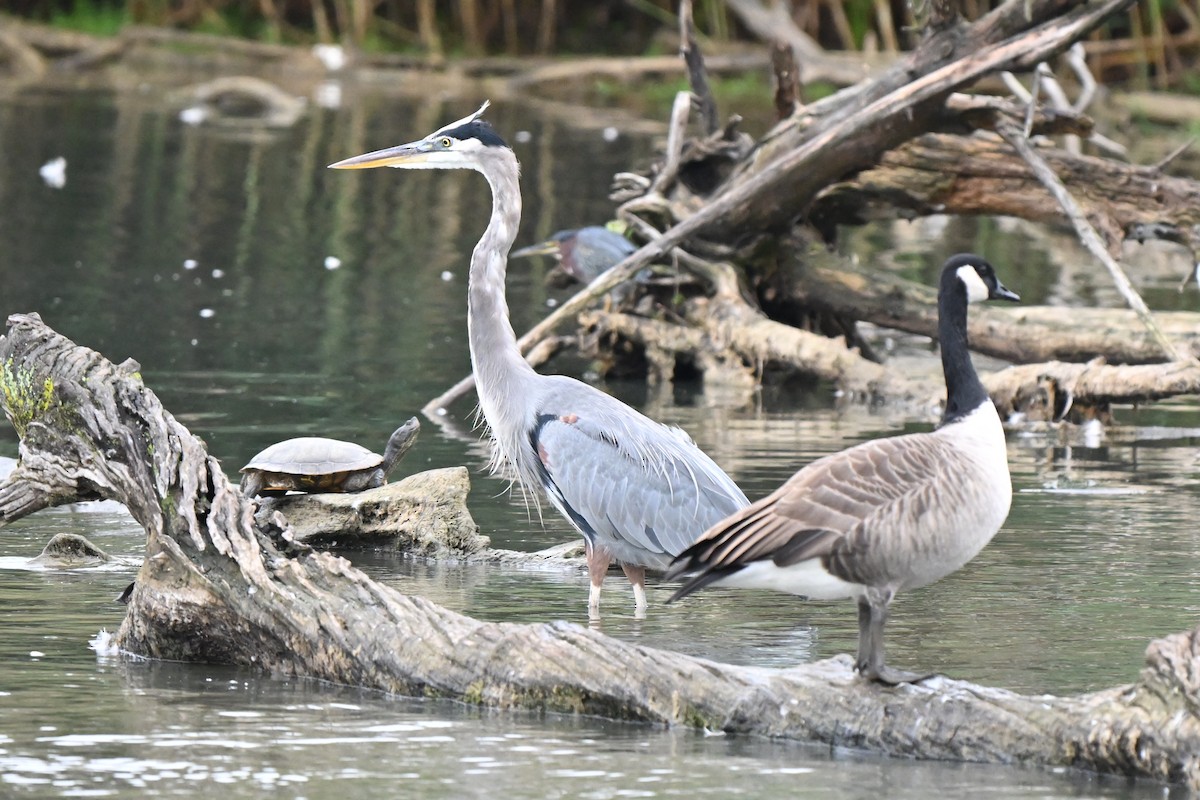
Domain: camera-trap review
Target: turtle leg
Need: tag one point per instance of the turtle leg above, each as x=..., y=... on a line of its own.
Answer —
x=364, y=480
x=251, y=483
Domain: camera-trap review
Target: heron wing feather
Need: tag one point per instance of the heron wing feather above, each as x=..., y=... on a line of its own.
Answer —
x=638, y=484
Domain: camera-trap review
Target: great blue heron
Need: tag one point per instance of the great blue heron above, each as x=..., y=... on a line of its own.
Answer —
x=639, y=491
x=886, y=515
x=583, y=253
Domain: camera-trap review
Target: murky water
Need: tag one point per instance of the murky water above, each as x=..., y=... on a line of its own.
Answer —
x=266, y=297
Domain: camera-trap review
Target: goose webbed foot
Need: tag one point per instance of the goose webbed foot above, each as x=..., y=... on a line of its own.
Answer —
x=890, y=676
x=872, y=615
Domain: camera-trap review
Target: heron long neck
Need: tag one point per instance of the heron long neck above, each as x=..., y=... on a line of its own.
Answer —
x=501, y=373
x=964, y=391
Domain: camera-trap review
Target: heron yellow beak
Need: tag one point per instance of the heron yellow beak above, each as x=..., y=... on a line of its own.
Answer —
x=413, y=154
x=546, y=248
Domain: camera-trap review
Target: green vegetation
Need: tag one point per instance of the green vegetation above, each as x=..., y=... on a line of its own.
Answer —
x=654, y=98
x=1154, y=44
x=25, y=398
x=92, y=18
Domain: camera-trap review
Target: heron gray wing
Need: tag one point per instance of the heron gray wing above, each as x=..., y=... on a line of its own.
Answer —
x=642, y=489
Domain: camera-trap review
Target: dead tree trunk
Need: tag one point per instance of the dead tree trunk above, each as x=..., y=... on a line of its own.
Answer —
x=214, y=588
x=905, y=144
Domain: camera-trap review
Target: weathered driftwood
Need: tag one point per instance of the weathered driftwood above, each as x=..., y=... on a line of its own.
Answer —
x=243, y=101
x=216, y=588
x=731, y=341
x=18, y=59
x=773, y=22
x=841, y=134
x=728, y=340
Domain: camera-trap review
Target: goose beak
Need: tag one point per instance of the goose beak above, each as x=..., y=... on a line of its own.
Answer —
x=546, y=248
x=1002, y=292
x=411, y=155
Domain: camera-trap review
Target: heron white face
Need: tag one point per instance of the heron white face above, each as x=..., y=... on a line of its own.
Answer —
x=433, y=152
x=442, y=149
x=977, y=290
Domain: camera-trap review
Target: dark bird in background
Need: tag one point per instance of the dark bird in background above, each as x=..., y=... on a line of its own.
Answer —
x=884, y=516
x=582, y=253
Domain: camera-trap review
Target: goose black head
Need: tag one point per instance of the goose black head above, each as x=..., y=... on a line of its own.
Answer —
x=977, y=277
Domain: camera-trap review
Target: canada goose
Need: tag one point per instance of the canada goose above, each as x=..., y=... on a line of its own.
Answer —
x=886, y=515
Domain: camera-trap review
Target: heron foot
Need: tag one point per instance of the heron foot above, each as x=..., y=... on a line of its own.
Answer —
x=637, y=578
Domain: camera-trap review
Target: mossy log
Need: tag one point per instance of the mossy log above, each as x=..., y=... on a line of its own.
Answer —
x=217, y=588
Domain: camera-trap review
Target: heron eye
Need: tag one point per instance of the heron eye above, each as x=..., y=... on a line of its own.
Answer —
x=446, y=141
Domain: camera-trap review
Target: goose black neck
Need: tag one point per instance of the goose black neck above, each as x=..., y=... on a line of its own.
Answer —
x=964, y=391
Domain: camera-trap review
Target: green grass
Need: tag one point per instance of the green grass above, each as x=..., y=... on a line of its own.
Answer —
x=94, y=20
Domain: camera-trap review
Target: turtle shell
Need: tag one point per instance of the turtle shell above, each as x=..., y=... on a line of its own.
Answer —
x=311, y=462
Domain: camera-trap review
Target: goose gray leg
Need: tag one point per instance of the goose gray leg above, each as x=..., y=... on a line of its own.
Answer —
x=872, y=615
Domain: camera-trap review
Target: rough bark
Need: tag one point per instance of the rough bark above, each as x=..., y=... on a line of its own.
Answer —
x=940, y=173
x=729, y=341
x=216, y=588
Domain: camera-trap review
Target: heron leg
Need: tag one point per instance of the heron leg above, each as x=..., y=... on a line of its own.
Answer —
x=872, y=615
x=598, y=560
x=637, y=577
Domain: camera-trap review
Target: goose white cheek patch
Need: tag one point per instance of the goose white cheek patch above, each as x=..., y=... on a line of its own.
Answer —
x=977, y=290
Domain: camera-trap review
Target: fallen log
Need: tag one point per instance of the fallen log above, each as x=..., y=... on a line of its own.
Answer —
x=940, y=173
x=821, y=281
x=731, y=342
x=1058, y=390
x=217, y=588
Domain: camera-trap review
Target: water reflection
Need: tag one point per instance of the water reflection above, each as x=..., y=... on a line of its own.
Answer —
x=159, y=222
x=195, y=731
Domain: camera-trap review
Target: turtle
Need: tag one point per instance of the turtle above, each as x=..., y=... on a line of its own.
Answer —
x=318, y=464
